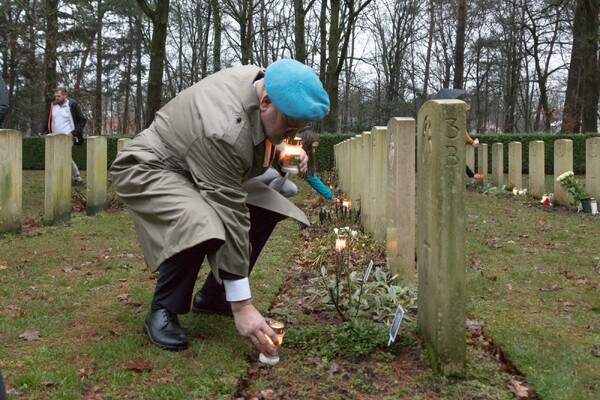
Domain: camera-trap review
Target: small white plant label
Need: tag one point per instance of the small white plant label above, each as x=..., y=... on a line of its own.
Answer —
x=368, y=271
x=395, y=327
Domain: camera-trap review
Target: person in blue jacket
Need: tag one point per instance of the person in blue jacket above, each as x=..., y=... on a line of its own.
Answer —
x=310, y=142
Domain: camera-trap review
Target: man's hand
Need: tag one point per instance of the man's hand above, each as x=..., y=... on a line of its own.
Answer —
x=252, y=325
x=475, y=142
x=303, y=164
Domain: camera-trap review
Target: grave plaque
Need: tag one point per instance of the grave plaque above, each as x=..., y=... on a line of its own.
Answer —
x=537, y=174
x=563, y=162
x=97, y=175
x=57, y=178
x=11, y=181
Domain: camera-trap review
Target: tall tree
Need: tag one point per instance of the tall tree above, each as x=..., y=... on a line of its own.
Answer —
x=300, y=12
x=99, y=66
x=459, y=54
x=581, y=97
x=217, y=30
x=50, y=51
x=159, y=15
x=343, y=21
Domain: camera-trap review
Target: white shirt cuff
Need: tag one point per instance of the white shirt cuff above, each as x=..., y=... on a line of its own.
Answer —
x=237, y=290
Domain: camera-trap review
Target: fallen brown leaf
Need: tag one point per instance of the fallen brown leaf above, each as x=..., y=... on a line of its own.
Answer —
x=30, y=335
x=123, y=297
x=518, y=388
x=138, y=365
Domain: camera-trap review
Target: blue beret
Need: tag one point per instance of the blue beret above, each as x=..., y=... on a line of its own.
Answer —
x=296, y=90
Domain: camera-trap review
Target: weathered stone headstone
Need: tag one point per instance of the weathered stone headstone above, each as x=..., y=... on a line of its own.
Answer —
x=379, y=172
x=563, y=162
x=401, y=207
x=355, y=170
x=122, y=143
x=592, y=167
x=97, y=175
x=367, y=161
x=482, y=160
x=537, y=174
x=11, y=181
x=497, y=164
x=57, y=195
x=470, y=157
x=515, y=165
x=441, y=231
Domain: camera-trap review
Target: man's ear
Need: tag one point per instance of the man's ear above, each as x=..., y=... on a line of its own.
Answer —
x=264, y=102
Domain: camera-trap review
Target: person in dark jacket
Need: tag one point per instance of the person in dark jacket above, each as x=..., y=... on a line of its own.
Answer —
x=65, y=117
x=3, y=100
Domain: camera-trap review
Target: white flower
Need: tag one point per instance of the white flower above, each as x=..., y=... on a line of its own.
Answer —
x=335, y=230
x=354, y=234
x=564, y=176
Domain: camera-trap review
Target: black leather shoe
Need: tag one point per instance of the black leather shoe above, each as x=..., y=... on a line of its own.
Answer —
x=204, y=305
x=163, y=330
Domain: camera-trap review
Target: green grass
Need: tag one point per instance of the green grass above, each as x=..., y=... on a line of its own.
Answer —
x=539, y=290
x=84, y=287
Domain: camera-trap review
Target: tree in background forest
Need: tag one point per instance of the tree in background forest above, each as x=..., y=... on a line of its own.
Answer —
x=159, y=15
x=581, y=99
x=377, y=59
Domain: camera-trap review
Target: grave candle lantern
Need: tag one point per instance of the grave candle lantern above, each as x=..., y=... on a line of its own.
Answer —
x=341, y=242
x=291, y=158
x=279, y=329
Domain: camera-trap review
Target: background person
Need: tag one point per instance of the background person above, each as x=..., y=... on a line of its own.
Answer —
x=310, y=142
x=474, y=143
x=65, y=117
x=186, y=180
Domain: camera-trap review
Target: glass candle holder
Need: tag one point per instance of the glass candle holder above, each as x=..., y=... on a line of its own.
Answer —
x=291, y=158
x=279, y=330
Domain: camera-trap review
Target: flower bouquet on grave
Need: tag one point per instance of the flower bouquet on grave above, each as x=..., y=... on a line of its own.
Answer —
x=572, y=186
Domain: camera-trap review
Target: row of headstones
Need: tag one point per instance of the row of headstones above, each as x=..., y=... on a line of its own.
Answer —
x=57, y=178
x=563, y=162
x=379, y=170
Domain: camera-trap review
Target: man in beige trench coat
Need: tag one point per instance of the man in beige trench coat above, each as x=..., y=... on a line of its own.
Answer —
x=184, y=180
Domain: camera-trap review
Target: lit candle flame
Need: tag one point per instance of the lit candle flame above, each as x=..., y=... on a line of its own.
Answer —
x=340, y=243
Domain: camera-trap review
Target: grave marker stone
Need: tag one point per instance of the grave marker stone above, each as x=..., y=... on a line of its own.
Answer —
x=497, y=164
x=401, y=207
x=11, y=181
x=537, y=174
x=97, y=175
x=515, y=165
x=57, y=179
x=563, y=162
x=441, y=231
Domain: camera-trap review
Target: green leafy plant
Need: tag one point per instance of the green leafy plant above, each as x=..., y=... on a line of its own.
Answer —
x=572, y=186
x=350, y=340
x=351, y=293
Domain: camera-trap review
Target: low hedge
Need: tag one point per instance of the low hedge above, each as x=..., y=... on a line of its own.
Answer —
x=505, y=139
x=34, y=157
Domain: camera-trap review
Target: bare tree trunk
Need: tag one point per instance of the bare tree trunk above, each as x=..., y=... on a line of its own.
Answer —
x=159, y=17
x=429, y=49
x=589, y=117
x=573, y=108
x=339, y=39
x=51, y=17
x=217, y=28
x=138, y=77
x=300, y=28
x=459, y=64
x=99, y=60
